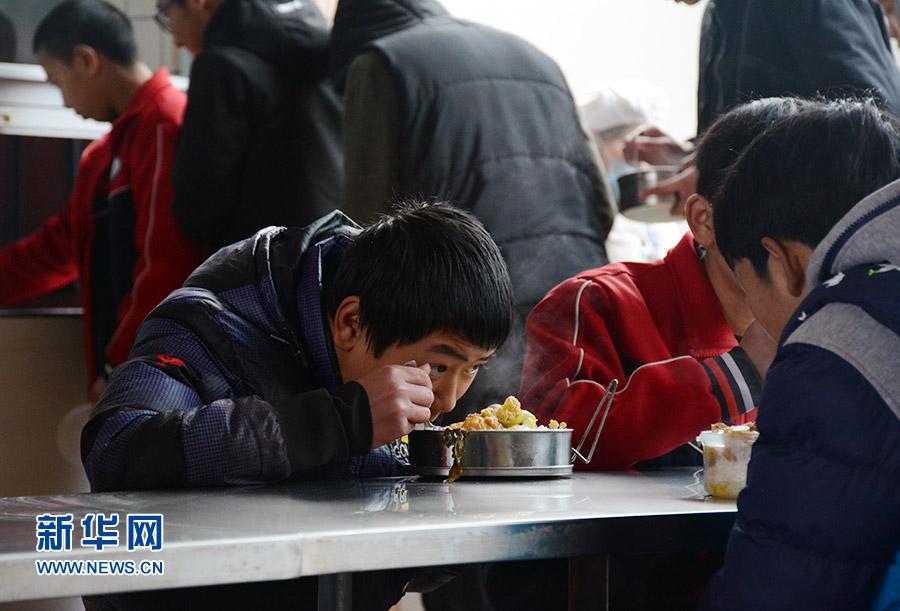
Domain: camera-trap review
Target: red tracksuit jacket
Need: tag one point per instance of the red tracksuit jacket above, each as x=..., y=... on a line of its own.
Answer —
x=116, y=234
x=656, y=327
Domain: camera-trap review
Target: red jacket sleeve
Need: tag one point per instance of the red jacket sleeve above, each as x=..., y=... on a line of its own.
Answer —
x=40, y=263
x=573, y=352
x=165, y=257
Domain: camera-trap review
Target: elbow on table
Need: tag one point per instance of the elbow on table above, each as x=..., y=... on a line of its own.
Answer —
x=105, y=465
x=101, y=472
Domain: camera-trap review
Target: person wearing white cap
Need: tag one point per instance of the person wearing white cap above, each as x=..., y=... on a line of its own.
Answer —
x=612, y=112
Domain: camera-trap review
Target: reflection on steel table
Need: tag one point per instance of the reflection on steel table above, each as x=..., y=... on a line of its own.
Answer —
x=260, y=533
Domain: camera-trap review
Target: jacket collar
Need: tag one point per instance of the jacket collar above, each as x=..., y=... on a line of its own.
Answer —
x=705, y=330
x=292, y=36
x=309, y=301
x=866, y=234
x=145, y=95
x=359, y=23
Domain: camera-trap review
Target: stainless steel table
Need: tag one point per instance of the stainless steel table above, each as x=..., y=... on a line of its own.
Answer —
x=334, y=529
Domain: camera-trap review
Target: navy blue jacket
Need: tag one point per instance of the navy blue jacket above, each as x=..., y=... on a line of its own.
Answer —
x=819, y=521
x=230, y=381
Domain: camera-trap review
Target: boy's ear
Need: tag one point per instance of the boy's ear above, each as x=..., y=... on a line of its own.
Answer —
x=789, y=261
x=698, y=213
x=345, y=328
x=86, y=59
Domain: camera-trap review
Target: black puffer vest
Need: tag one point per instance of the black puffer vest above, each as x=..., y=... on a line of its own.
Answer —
x=489, y=124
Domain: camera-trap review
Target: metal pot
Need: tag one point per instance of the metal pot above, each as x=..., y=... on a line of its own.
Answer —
x=509, y=452
x=506, y=453
x=654, y=209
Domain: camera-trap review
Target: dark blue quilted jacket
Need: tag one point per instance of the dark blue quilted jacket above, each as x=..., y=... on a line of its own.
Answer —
x=227, y=385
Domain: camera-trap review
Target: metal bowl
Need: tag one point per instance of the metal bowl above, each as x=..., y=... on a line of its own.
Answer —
x=504, y=453
x=654, y=209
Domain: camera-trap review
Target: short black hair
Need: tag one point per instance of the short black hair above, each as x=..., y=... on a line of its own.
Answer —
x=730, y=134
x=94, y=23
x=421, y=269
x=798, y=178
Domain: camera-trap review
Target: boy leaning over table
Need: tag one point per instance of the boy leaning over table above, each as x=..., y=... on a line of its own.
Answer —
x=302, y=353
x=809, y=218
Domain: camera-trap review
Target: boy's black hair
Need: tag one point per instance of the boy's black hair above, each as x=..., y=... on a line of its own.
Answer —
x=798, y=178
x=425, y=268
x=730, y=134
x=94, y=23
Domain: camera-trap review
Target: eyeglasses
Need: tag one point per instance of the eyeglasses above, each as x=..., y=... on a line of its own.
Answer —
x=162, y=16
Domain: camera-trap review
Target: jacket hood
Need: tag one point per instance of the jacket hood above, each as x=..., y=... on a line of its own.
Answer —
x=358, y=23
x=260, y=276
x=866, y=234
x=291, y=35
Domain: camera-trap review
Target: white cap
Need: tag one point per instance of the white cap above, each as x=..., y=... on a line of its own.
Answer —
x=624, y=102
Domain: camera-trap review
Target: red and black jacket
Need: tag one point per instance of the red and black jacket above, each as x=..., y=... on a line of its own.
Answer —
x=656, y=327
x=116, y=234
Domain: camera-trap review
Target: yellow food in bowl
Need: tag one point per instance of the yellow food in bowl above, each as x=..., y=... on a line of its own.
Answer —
x=506, y=416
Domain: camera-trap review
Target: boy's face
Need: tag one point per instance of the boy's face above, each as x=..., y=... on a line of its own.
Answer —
x=774, y=299
x=78, y=84
x=454, y=364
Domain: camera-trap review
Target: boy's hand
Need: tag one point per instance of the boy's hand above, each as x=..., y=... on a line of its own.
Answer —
x=400, y=397
x=760, y=347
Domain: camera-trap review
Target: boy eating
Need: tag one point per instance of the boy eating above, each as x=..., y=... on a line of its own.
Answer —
x=302, y=352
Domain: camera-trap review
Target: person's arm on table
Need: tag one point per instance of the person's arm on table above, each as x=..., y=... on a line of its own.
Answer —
x=572, y=356
x=153, y=428
x=156, y=426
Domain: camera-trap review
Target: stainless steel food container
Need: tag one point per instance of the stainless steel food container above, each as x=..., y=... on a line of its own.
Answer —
x=503, y=453
x=655, y=209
